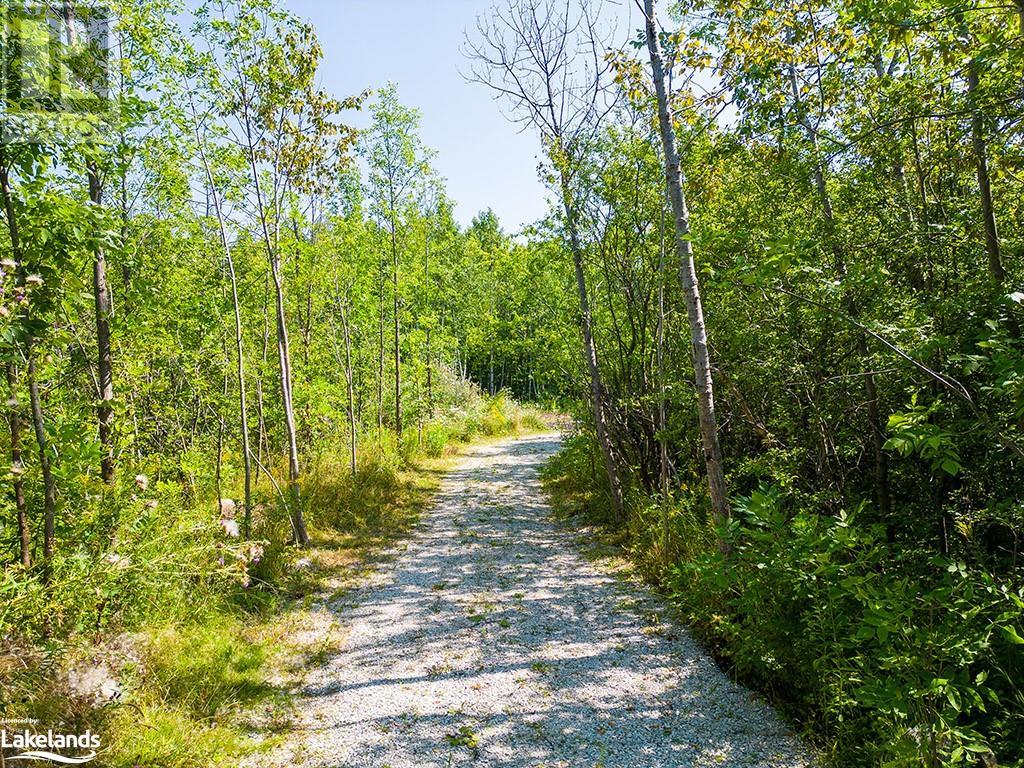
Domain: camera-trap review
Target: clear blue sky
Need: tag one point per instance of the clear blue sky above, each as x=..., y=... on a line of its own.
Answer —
x=417, y=45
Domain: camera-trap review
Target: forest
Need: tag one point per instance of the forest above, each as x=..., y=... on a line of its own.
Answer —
x=774, y=306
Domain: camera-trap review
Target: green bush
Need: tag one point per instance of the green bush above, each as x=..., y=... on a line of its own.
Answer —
x=895, y=660
x=436, y=440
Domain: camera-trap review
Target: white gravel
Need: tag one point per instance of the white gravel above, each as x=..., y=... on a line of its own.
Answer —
x=490, y=641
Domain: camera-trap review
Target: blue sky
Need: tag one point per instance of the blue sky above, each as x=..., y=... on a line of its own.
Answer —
x=417, y=45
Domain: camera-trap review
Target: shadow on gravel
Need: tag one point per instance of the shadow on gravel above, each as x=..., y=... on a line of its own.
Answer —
x=492, y=642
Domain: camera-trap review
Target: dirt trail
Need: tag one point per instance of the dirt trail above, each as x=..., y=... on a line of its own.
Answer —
x=490, y=641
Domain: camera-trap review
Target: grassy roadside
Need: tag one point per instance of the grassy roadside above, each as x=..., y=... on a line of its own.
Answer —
x=218, y=688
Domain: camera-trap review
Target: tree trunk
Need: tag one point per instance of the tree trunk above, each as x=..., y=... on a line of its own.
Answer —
x=980, y=147
x=380, y=348
x=688, y=278
x=239, y=336
x=426, y=304
x=243, y=409
x=351, y=390
x=18, y=468
x=49, y=486
x=430, y=380
x=590, y=355
x=285, y=365
x=662, y=395
x=262, y=437
x=272, y=245
x=14, y=415
x=105, y=366
x=101, y=296
x=397, y=326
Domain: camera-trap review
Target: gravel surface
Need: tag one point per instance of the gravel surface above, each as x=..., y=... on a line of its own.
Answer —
x=491, y=641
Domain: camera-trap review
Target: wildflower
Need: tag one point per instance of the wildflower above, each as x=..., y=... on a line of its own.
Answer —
x=34, y=280
x=142, y=483
x=230, y=528
x=254, y=553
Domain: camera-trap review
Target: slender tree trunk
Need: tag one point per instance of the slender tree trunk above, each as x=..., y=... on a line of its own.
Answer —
x=430, y=379
x=220, y=432
x=285, y=365
x=426, y=302
x=397, y=325
x=101, y=296
x=262, y=437
x=18, y=468
x=105, y=365
x=243, y=410
x=590, y=355
x=662, y=396
x=380, y=349
x=980, y=147
x=351, y=390
x=14, y=414
x=272, y=245
x=49, y=485
x=688, y=278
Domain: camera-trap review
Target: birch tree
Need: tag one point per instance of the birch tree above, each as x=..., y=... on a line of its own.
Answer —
x=689, y=280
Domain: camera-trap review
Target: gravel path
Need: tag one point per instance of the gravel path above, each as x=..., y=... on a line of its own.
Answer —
x=490, y=641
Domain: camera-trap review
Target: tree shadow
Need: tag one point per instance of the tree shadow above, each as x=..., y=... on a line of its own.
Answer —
x=491, y=641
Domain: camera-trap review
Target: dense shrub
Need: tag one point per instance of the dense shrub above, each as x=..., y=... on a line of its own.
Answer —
x=895, y=659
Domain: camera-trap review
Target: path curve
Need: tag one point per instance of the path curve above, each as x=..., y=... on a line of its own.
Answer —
x=490, y=641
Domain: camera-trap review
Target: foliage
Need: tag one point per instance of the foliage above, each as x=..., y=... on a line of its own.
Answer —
x=893, y=659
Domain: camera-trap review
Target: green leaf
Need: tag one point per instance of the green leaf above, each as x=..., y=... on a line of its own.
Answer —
x=1012, y=635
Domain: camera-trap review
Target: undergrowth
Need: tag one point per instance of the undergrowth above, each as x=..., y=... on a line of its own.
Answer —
x=163, y=635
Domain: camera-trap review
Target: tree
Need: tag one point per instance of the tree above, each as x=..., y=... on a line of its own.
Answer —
x=397, y=161
x=688, y=276
x=284, y=125
x=545, y=61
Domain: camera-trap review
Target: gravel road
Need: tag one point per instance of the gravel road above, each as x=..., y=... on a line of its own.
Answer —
x=491, y=641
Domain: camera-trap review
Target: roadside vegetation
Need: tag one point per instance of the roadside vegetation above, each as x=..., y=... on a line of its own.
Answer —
x=239, y=340
x=182, y=654
x=807, y=421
